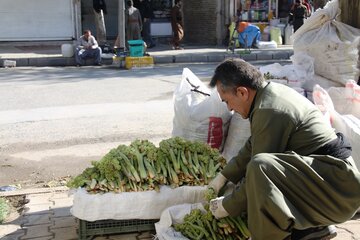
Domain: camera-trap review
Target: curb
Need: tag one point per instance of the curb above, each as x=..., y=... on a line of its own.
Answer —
x=33, y=191
x=254, y=55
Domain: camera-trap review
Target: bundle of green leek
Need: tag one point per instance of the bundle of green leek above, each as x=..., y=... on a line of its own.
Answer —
x=203, y=225
x=142, y=166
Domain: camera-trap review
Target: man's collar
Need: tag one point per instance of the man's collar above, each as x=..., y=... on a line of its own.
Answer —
x=263, y=85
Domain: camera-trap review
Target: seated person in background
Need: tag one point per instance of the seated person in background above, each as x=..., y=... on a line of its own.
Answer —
x=87, y=47
x=249, y=34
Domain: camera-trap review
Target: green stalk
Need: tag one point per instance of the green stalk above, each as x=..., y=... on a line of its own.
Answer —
x=184, y=169
x=191, y=162
x=196, y=160
x=125, y=171
x=149, y=168
x=130, y=167
x=210, y=172
x=245, y=231
x=183, y=158
x=163, y=169
x=174, y=161
x=140, y=162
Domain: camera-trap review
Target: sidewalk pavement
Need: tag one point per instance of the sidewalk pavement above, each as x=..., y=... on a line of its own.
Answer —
x=48, y=216
x=40, y=55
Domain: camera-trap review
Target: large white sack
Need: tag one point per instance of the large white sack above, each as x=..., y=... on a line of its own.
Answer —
x=323, y=82
x=199, y=112
x=132, y=205
x=238, y=134
x=333, y=44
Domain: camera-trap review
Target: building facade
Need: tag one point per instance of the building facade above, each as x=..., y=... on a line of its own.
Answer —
x=38, y=20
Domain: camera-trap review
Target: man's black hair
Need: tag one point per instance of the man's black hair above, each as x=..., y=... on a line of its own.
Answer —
x=99, y=5
x=233, y=73
x=129, y=3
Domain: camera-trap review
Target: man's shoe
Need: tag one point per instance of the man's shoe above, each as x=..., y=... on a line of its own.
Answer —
x=98, y=64
x=317, y=233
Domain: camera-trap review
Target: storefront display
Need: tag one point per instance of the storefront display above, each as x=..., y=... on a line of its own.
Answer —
x=160, y=25
x=162, y=9
x=258, y=10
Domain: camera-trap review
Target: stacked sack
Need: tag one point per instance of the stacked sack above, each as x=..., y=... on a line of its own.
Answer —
x=334, y=45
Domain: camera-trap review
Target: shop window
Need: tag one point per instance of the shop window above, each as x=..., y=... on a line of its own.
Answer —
x=162, y=9
x=257, y=10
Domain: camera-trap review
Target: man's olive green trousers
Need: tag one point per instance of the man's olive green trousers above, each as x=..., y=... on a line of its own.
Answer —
x=285, y=191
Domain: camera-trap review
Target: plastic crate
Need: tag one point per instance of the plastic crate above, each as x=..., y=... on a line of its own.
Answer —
x=87, y=230
x=139, y=62
x=118, y=61
x=136, y=48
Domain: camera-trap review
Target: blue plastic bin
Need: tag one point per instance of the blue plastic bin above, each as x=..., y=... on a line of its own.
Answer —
x=136, y=48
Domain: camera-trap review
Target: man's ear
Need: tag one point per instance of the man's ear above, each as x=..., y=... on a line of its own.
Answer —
x=242, y=92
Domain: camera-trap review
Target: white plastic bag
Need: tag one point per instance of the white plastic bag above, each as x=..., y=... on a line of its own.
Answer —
x=323, y=101
x=173, y=215
x=333, y=44
x=238, y=134
x=199, y=112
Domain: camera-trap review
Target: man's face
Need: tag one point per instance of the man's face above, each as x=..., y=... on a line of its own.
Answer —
x=87, y=35
x=237, y=100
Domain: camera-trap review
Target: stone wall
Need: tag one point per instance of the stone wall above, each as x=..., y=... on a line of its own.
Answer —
x=200, y=21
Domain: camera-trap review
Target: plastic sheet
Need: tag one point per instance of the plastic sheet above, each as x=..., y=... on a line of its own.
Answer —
x=132, y=205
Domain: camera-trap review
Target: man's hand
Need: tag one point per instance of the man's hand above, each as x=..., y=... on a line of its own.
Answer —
x=217, y=183
x=217, y=208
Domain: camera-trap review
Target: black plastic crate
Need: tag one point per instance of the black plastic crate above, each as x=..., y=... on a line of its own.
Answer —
x=87, y=230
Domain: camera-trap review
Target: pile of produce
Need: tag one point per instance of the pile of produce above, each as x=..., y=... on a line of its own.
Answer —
x=203, y=225
x=142, y=166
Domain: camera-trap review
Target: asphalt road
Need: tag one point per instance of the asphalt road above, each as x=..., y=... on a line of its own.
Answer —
x=55, y=121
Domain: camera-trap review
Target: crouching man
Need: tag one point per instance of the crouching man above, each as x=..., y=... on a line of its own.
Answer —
x=295, y=176
x=87, y=47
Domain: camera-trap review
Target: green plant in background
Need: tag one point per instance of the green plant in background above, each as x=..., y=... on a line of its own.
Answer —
x=4, y=209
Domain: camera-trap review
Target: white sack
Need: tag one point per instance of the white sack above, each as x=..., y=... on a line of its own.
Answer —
x=173, y=215
x=132, y=205
x=199, y=112
x=295, y=74
x=334, y=45
x=350, y=127
x=346, y=99
x=323, y=82
x=238, y=134
x=346, y=124
x=267, y=44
